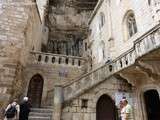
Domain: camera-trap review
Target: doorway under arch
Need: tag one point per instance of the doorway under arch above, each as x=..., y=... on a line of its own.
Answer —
x=152, y=104
x=35, y=90
x=105, y=109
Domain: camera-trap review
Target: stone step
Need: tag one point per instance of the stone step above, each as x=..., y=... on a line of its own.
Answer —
x=42, y=110
x=48, y=107
x=40, y=114
x=49, y=114
x=39, y=118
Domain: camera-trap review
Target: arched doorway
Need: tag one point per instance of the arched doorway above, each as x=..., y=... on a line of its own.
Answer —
x=152, y=104
x=105, y=109
x=35, y=90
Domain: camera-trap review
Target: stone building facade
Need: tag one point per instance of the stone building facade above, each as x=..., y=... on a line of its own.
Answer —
x=79, y=58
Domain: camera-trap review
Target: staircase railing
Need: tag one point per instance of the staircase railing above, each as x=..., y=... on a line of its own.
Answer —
x=143, y=45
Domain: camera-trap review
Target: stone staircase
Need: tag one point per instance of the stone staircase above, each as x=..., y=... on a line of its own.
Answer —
x=41, y=114
x=143, y=46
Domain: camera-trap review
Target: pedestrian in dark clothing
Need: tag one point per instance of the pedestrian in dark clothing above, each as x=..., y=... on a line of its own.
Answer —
x=24, y=109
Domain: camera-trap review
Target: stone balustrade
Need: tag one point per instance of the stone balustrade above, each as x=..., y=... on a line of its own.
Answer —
x=143, y=45
x=48, y=58
x=87, y=81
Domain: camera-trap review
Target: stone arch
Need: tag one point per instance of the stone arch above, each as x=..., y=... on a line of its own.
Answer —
x=151, y=104
x=141, y=100
x=35, y=90
x=29, y=75
x=100, y=93
x=105, y=108
x=147, y=87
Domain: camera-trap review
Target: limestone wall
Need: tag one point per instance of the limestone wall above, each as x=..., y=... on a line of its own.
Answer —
x=13, y=20
x=113, y=33
x=73, y=110
x=52, y=75
x=100, y=35
x=33, y=31
x=18, y=21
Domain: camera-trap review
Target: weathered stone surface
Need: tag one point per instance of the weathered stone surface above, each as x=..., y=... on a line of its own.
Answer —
x=27, y=26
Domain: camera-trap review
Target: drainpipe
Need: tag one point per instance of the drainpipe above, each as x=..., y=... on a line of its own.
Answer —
x=58, y=100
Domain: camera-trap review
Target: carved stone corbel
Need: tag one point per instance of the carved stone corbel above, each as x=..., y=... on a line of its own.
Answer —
x=148, y=71
x=129, y=77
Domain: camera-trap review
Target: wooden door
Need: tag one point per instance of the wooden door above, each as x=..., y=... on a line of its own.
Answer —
x=105, y=109
x=35, y=90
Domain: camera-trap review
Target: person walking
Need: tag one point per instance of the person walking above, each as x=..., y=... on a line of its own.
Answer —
x=12, y=111
x=24, y=109
x=127, y=111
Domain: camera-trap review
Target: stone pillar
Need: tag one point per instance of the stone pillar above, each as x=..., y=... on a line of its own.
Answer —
x=58, y=100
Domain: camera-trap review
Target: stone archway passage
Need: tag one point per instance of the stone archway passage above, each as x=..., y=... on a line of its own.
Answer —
x=152, y=103
x=35, y=90
x=105, y=109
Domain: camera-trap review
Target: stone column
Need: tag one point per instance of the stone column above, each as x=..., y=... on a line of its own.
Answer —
x=58, y=100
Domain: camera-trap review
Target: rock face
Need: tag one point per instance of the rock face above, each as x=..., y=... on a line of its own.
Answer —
x=68, y=56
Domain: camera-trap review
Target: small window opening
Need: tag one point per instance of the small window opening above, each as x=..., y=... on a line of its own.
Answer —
x=84, y=103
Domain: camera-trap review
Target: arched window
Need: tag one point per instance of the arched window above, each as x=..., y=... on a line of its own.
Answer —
x=102, y=20
x=131, y=25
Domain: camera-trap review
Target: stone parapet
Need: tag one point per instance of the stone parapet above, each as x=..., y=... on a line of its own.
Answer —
x=48, y=58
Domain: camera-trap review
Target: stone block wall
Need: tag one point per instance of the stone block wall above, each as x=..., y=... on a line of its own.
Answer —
x=18, y=22
x=52, y=77
x=13, y=19
x=74, y=110
x=112, y=34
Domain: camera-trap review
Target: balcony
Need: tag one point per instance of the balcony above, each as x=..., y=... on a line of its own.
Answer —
x=142, y=46
x=55, y=59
